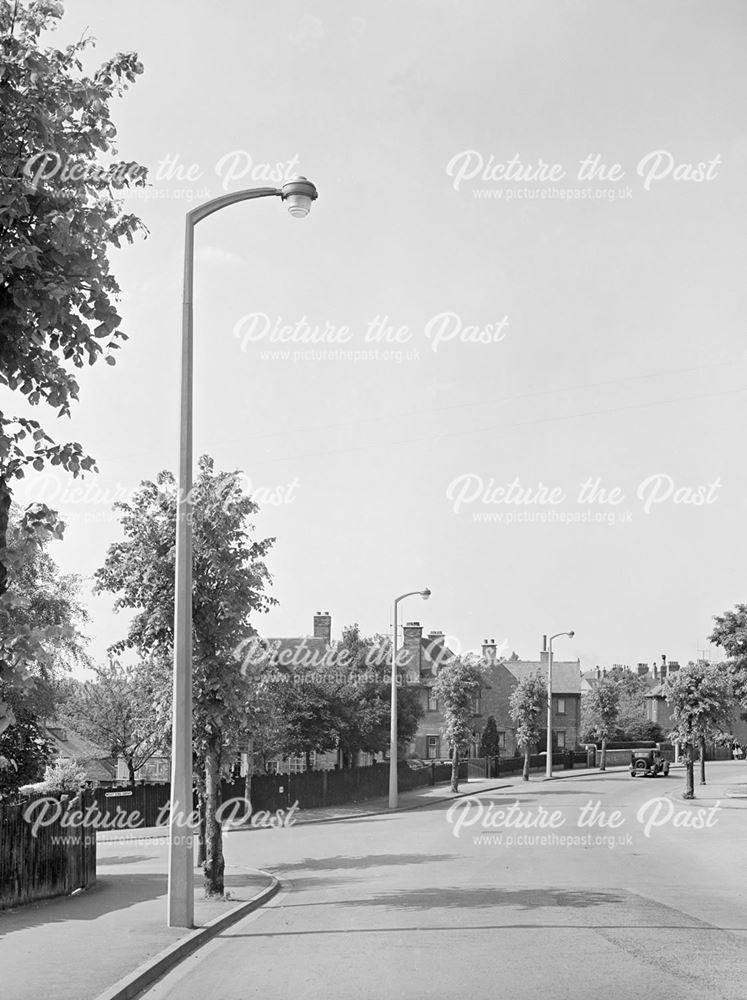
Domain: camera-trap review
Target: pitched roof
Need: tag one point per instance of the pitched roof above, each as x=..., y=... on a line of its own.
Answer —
x=566, y=674
x=96, y=762
x=68, y=743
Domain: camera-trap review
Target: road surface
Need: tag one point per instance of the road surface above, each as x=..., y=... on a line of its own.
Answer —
x=413, y=905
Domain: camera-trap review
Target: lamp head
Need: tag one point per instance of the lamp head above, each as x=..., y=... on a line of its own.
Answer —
x=299, y=194
x=571, y=634
x=425, y=594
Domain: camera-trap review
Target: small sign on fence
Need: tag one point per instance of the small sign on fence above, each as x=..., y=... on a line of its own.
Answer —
x=116, y=795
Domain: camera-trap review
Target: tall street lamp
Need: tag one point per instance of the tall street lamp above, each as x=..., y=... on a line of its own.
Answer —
x=298, y=195
x=393, y=789
x=548, y=762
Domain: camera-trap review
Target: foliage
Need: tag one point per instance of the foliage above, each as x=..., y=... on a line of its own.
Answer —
x=602, y=709
x=730, y=633
x=457, y=685
x=24, y=753
x=361, y=692
x=57, y=293
x=489, y=742
x=527, y=705
x=65, y=775
x=59, y=216
x=116, y=711
x=42, y=619
x=700, y=701
x=309, y=720
x=342, y=702
x=229, y=577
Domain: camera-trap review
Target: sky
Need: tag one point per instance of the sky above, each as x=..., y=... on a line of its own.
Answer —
x=540, y=330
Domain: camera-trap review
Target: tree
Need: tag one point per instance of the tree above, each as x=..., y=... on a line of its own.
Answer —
x=361, y=690
x=229, y=579
x=527, y=705
x=59, y=216
x=602, y=708
x=42, y=635
x=489, y=742
x=309, y=719
x=25, y=751
x=631, y=719
x=342, y=701
x=457, y=685
x=730, y=633
x=65, y=775
x=700, y=701
x=116, y=711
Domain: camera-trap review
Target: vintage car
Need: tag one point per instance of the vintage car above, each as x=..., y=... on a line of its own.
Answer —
x=648, y=763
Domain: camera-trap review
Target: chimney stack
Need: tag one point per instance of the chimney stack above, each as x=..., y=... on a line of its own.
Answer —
x=323, y=626
x=413, y=633
x=436, y=647
x=599, y=673
x=642, y=669
x=489, y=650
x=663, y=667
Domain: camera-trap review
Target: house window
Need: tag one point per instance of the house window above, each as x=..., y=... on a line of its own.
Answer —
x=432, y=747
x=501, y=741
x=560, y=735
x=560, y=706
x=432, y=701
x=476, y=704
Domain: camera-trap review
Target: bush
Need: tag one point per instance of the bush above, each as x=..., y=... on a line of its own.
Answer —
x=63, y=776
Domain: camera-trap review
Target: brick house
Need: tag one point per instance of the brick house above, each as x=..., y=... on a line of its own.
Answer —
x=419, y=661
x=425, y=656
x=658, y=711
x=502, y=677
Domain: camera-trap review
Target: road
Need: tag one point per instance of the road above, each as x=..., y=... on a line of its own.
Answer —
x=400, y=906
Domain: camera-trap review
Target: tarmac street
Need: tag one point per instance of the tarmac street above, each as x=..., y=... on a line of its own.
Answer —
x=586, y=887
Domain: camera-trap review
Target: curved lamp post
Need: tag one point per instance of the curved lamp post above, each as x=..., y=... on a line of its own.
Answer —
x=548, y=762
x=393, y=789
x=298, y=195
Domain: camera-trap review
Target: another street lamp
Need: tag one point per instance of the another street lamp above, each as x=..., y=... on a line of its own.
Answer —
x=393, y=788
x=298, y=194
x=548, y=762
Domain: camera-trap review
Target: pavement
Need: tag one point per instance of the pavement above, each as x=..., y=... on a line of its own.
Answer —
x=81, y=947
x=85, y=947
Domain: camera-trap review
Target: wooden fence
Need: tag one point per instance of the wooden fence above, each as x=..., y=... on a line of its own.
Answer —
x=39, y=861
x=133, y=806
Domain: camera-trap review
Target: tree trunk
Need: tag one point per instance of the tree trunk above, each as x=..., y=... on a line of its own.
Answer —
x=308, y=760
x=525, y=772
x=455, y=769
x=603, y=757
x=702, y=761
x=201, y=850
x=131, y=769
x=214, y=864
x=689, y=792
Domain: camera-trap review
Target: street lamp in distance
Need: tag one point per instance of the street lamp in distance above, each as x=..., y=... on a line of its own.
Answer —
x=393, y=786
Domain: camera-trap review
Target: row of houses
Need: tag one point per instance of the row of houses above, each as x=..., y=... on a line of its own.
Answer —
x=419, y=661
x=421, y=657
